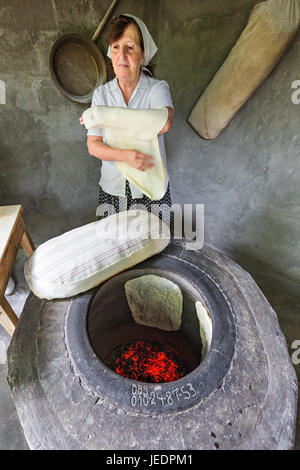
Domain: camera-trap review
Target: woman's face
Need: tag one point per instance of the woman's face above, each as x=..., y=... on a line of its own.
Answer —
x=127, y=55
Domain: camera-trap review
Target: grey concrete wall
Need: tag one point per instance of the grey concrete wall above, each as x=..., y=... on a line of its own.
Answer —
x=248, y=177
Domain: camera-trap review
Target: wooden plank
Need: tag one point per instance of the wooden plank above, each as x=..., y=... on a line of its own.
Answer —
x=8, y=260
x=27, y=242
x=8, y=318
x=13, y=232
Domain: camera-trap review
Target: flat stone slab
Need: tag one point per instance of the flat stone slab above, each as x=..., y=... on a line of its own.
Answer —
x=155, y=301
x=252, y=405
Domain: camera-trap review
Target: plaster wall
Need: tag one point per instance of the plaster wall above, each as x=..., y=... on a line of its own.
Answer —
x=247, y=178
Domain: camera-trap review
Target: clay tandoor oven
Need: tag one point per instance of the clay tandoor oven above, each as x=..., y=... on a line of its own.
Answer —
x=240, y=394
x=100, y=323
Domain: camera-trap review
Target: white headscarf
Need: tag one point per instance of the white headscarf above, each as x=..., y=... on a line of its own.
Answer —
x=150, y=47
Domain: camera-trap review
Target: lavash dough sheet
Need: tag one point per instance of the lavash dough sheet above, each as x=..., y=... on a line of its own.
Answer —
x=134, y=129
x=151, y=181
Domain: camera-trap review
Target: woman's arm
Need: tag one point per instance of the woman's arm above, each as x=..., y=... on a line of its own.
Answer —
x=169, y=122
x=98, y=149
x=136, y=159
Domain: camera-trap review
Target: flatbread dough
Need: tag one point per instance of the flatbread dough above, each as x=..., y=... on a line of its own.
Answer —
x=155, y=301
x=205, y=324
x=137, y=129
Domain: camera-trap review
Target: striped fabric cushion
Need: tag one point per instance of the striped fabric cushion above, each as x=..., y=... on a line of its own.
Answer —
x=86, y=256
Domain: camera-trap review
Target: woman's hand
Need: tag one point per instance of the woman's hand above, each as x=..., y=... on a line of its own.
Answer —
x=138, y=160
x=81, y=120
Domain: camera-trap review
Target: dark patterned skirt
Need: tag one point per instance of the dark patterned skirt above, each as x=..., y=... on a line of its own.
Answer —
x=110, y=204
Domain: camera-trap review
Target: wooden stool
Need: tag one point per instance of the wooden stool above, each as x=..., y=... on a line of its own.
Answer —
x=13, y=232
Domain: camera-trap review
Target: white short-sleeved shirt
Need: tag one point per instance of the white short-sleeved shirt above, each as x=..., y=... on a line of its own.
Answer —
x=149, y=93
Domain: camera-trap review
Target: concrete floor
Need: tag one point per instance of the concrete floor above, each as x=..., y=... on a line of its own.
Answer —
x=11, y=434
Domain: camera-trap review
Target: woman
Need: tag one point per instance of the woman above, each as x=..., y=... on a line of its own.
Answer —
x=131, y=48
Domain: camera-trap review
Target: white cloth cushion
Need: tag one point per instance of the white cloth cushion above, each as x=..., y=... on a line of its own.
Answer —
x=128, y=128
x=84, y=257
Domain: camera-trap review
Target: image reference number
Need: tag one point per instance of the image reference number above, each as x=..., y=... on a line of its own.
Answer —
x=140, y=395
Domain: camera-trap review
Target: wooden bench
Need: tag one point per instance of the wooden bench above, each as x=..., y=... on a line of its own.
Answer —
x=13, y=233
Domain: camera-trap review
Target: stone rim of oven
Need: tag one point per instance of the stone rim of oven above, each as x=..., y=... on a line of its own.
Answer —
x=149, y=398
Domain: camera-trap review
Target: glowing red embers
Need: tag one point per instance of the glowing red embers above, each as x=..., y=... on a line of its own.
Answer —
x=147, y=361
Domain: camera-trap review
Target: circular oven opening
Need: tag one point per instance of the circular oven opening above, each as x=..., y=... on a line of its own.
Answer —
x=139, y=352
x=99, y=321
